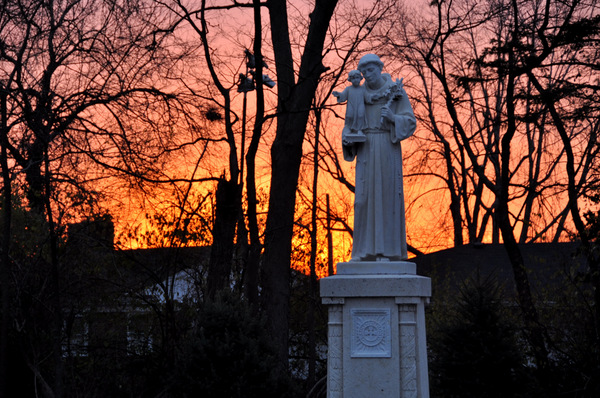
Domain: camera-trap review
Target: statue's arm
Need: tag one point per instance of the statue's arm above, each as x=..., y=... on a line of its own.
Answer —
x=341, y=96
x=405, y=123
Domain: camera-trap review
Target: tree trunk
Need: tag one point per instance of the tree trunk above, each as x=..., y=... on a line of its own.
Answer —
x=525, y=298
x=294, y=101
x=221, y=254
x=5, y=242
x=253, y=260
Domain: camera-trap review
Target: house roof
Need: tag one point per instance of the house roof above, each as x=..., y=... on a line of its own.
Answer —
x=546, y=263
x=100, y=273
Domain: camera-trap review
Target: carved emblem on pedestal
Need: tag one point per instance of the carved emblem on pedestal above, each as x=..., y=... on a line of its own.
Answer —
x=371, y=333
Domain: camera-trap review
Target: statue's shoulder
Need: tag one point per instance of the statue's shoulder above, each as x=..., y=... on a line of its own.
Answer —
x=388, y=82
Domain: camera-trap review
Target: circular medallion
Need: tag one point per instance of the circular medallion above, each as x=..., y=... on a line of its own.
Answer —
x=370, y=333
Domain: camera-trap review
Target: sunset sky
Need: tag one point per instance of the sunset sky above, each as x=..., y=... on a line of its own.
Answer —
x=202, y=154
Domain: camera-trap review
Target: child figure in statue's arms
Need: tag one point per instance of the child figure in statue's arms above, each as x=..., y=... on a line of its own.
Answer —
x=356, y=119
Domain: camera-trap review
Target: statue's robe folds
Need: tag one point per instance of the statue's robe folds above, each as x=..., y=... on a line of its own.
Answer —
x=379, y=215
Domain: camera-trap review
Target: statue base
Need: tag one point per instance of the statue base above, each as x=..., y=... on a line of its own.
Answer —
x=376, y=331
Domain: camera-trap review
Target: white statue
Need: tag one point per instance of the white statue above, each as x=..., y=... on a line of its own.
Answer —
x=379, y=216
x=356, y=119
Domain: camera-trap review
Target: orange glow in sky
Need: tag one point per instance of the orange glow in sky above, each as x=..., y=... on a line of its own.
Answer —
x=429, y=225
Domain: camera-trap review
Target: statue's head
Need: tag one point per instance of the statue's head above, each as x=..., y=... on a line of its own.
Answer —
x=370, y=59
x=371, y=66
x=354, y=77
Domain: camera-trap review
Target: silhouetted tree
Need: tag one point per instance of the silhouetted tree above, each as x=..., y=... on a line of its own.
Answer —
x=81, y=82
x=493, y=66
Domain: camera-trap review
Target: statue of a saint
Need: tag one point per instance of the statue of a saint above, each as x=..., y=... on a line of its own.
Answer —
x=379, y=216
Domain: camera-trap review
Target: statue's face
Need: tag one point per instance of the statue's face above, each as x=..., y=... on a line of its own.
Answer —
x=371, y=73
x=355, y=80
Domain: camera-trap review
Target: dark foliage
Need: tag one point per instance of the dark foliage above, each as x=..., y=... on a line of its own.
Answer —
x=227, y=354
x=475, y=353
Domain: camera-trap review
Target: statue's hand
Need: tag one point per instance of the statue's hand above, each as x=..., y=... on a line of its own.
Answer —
x=345, y=141
x=387, y=114
x=336, y=94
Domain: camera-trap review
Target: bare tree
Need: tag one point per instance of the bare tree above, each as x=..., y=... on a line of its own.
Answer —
x=500, y=143
x=229, y=209
x=72, y=73
x=6, y=217
x=295, y=96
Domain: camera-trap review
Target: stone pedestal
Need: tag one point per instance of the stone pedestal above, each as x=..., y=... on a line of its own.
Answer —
x=377, y=345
